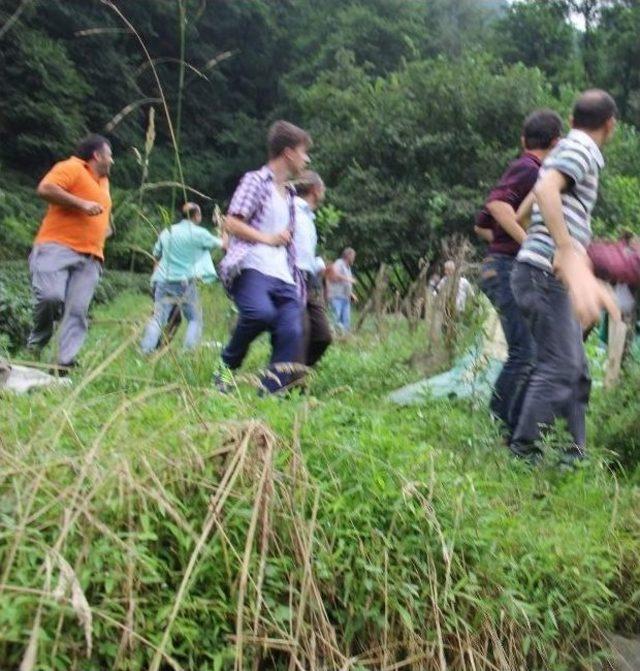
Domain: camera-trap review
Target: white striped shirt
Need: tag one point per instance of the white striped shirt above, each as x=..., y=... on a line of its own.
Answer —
x=577, y=157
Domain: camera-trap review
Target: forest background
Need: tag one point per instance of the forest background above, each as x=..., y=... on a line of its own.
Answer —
x=415, y=106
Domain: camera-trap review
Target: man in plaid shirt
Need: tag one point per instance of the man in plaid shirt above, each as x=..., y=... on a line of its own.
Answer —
x=259, y=269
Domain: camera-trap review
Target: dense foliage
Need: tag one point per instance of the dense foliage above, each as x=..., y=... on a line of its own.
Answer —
x=415, y=105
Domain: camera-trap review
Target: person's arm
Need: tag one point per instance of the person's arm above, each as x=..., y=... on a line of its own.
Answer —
x=52, y=193
x=208, y=240
x=485, y=234
x=587, y=294
x=243, y=207
x=239, y=229
x=523, y=215
x=505, y=215
x=337, y=273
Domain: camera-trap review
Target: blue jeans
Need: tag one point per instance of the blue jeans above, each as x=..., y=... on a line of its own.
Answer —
x=341, y=308
x=167, y=295
x=559, y=385
x=266, y=304
x=511, y=384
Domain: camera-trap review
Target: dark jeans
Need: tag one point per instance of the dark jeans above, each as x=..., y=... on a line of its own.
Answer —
x=511, y=384
x=266, y=304
x=316, y=328
x=559, y=385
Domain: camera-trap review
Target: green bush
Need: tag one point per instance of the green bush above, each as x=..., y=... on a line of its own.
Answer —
x=16, y=304
x=618, y=427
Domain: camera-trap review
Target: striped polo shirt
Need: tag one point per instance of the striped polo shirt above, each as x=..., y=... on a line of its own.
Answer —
x=577, y=157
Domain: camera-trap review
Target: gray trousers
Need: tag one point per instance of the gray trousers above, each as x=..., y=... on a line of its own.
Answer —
x=63, y=284
x=559, y=385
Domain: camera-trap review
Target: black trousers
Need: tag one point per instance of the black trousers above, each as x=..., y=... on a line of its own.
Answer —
x=316, y=329
x=560, y=384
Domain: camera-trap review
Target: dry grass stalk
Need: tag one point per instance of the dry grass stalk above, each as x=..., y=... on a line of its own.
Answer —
x=13, y=18
x=68, y=582
x=87, y=32
x=169, y=59
x=415, y=301
x=173, y=184
x=30, y=658
x=375, y=302
x=126, y=110
x=216, y=505
x=260, y=509
x=165, y=105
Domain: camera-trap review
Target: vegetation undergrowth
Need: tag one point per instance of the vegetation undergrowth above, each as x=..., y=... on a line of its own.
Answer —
x=148, y=522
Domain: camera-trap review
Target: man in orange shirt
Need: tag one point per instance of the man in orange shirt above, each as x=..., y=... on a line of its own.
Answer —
x=68, y=252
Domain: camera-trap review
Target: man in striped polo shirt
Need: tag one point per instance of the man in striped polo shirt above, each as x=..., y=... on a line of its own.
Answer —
x=560, y=230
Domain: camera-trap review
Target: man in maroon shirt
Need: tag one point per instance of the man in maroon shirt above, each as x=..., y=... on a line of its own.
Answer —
x=497, y=223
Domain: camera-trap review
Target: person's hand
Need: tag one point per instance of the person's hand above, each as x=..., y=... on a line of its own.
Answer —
x=354, y=298
x=588, y=295
x=91, y=208
x=281, y=239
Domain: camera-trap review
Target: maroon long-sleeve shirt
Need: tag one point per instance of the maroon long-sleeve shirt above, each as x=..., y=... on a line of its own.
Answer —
x=512, y=188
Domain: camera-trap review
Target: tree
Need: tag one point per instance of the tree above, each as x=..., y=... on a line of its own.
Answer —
x=618, y=56
x=408, y=157
x=41, y=108
x=539, y=34
x=588, y=12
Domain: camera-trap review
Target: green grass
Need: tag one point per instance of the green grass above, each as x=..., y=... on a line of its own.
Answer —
x=356, y=534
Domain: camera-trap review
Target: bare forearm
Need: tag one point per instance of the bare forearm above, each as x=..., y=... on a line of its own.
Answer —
x=343, y=278
x=56, y=195
x=523, y=215
x=485, y=234
x=505, y=215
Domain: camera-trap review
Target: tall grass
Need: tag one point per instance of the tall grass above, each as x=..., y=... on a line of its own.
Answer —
x=323, y=531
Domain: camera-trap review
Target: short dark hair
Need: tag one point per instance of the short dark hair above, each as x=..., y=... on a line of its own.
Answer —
x=90, y=145
x=541, y=128
x=593, y=109
x=284, y=135
x=308, y=181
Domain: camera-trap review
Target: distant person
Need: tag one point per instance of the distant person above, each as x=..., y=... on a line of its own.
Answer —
x=340, y=281
x=557, y=308
x=259, y=269
x=540, y=133
x=316, y=329
x=68, y=252
x=183, y=252
x=464, y=289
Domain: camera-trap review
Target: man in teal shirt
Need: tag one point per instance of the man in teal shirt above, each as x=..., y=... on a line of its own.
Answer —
x=184, y=256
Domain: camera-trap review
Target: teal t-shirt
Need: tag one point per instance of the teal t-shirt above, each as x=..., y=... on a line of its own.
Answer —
x=184, y=253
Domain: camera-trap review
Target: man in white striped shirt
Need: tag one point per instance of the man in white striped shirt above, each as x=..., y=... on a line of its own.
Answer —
x=560, y=231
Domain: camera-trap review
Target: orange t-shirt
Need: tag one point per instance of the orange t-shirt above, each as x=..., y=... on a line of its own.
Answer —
x=70, y=227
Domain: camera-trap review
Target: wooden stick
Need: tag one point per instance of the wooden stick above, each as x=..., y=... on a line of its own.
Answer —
x=617, y=338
